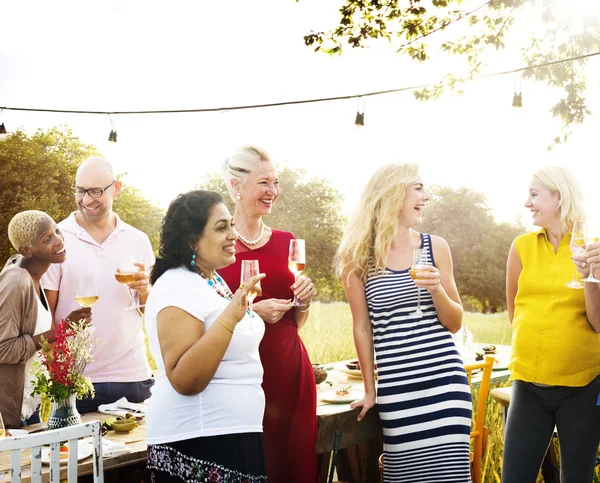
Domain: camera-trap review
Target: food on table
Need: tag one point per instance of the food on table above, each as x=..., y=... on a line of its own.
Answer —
x=353, y=365
x=64, y=452
x=7, y=433
x=320, y=373
x=124, y=425
x=343, y=391
x=490, y=349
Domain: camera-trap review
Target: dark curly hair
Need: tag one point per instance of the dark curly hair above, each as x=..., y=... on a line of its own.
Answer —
x=181, y=228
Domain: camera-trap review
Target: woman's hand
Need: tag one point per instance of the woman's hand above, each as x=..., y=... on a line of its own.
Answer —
x=84, y=313
x=239, y=303
x=366, y=403
x=272, y=310
x=428, y=277
x=591, y=256
x=304, y=290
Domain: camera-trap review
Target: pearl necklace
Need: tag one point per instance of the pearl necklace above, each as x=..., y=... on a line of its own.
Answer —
x=216, y=283
x=251, y=242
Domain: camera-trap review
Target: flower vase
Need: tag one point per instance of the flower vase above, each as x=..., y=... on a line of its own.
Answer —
x=64, y=413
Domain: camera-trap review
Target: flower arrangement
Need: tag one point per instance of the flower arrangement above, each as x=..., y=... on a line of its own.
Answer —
x=59, y=375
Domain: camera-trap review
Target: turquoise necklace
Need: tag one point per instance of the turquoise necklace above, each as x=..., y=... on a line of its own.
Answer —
x=217, y=283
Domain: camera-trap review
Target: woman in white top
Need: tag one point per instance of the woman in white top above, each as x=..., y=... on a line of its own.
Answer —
x=204, y=419
x=24, y=313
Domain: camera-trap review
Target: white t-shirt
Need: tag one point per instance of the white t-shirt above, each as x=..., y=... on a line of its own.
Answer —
x=233, y=402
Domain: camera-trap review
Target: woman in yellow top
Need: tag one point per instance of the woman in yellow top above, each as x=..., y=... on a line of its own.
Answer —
x=556, y=346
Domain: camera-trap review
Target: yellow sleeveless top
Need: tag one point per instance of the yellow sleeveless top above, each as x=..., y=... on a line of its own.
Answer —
x=553, y=342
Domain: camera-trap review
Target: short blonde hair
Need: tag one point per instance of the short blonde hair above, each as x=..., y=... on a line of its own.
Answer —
x=239, y=165
x=24, y=227
x=560, y=180
x=373, y=225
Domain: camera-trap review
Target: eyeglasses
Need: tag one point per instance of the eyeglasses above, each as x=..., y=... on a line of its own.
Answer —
x=91, y=192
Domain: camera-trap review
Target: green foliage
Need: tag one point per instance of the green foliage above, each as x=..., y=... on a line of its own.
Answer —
x=479, y=245
x=406, y=25
x=37, y=173
x=310, y=209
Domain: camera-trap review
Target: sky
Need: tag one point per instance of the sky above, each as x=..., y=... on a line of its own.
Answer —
x=134, y=55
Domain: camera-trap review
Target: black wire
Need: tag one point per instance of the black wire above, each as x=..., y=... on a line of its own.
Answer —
x=289, y=103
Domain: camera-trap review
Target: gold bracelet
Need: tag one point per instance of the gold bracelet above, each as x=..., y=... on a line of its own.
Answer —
x=224, y=324
x=303, y=311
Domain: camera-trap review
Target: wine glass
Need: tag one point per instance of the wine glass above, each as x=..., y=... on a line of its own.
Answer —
x=2, y=429
x=577, y=242
x=592, y=236
x=249, y=270
x=125, y=273
x=419, y=260
x=296, y=260
x=87, y=292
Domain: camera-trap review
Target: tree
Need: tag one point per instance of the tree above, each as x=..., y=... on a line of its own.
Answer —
x=38, y=172
x=410, y=24
x=479, y=245
x=309, y=208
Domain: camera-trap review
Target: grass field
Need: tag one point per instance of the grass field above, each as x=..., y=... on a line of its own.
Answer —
x=328, y=337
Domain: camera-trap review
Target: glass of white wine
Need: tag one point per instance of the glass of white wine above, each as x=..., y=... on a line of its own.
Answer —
x=297, y=260
x=87, y=292
x=577, y=242
x=249, y=270
x=125, y=273
x=592, y=236
x=419, y=261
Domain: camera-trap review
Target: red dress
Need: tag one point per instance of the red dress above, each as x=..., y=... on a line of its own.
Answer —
x=290, y=422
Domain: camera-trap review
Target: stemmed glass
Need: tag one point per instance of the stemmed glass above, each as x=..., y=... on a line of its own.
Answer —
x=593, y=236
x=249, y=270
x=419, y=261
x=577, y=242
x=125, y=273
x=87, y=292
x=296, y=260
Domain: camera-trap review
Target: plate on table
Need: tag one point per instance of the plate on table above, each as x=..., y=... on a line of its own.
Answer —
x=341, y=367
x=16, y=432
x=500, y=366
x=332, y=397
x=84, y=450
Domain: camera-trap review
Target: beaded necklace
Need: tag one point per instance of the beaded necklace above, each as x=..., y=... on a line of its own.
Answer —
x=216, y=283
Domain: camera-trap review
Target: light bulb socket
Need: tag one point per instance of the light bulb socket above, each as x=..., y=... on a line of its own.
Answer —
x=2, y=129
x=112, y=137
x=517, y=100
x=360, y=119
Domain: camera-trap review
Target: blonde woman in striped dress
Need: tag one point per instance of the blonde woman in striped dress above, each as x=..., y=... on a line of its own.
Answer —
x=423, y=396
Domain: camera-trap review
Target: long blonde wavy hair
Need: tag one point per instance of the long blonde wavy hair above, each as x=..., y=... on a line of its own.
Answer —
x=374, y=224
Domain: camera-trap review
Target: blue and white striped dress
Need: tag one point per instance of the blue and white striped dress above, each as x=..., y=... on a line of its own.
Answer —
x=423, y=395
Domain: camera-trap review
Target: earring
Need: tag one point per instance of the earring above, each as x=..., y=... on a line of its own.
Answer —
x=193, y=262
x=239, y=196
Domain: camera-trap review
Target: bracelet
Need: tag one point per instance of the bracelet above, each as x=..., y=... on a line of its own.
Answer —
x=224, y=324
x=303, y=311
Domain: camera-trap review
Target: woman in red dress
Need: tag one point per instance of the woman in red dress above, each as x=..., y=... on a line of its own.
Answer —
x=290, y=421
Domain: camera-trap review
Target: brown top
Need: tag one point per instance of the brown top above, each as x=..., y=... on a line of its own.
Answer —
x=18, y=315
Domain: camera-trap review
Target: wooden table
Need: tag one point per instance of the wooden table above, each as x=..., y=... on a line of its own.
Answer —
x=135, y=441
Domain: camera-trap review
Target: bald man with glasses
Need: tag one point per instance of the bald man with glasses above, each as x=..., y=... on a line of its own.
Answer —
x=97, y=241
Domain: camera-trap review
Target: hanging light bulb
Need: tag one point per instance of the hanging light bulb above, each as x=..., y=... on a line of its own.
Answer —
x=112, y=137
x=3, y=133
x=360, y=116
x=517, y=96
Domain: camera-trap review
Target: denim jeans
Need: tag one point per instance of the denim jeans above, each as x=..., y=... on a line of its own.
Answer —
x=109, y=392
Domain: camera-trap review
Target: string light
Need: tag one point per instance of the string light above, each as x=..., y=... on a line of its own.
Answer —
x=3, y=133
x=517, y=96
x=112, y=137
x=360, y=116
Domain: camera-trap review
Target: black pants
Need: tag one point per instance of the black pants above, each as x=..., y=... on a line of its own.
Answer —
x=532, y=415
x=109, y=392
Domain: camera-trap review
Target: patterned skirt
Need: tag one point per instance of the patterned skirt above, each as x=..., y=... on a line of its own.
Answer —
x=229, y=458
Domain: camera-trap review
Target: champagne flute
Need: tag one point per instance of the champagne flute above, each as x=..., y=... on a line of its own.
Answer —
x=249, y=270
x=87, y=292
x=2, y=428
x=296, y=260
x=419, y=261
x=125, y=273
x=577, y=242
x=593, y=236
